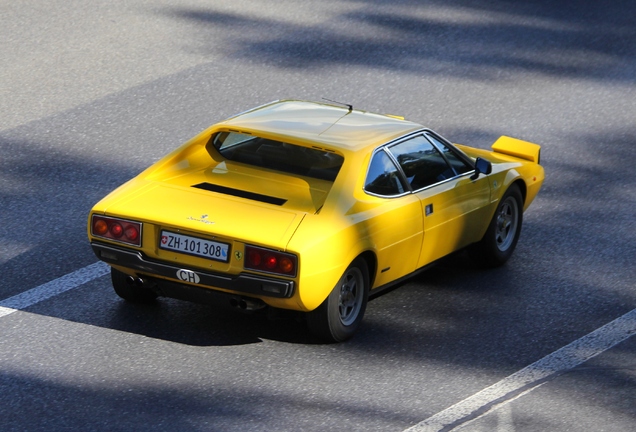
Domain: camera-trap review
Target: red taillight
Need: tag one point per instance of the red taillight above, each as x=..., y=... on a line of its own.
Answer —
x=270, y=261
x=116, y=229
x=132, y=233
x=286, y=265
x=100, y=227
x=254, y=258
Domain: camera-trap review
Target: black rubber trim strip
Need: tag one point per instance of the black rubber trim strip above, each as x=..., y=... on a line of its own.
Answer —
x=240, y=193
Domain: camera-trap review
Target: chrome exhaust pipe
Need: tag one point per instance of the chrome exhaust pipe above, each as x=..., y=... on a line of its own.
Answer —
x=136, y=281
x=251, y=305
x=246, y=304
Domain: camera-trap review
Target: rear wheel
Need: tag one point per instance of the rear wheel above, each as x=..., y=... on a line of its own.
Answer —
x=339, y=316
x=500, y=240
x=126, y=288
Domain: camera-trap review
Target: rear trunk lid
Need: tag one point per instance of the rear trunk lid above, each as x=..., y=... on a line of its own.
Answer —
x=245, y=205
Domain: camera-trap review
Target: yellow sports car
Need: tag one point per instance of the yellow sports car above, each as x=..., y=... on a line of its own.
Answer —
x=310, y=207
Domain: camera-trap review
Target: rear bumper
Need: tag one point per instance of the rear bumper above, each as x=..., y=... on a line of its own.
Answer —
x=245, y=284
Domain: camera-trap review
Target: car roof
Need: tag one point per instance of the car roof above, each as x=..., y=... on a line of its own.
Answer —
x=329, y=125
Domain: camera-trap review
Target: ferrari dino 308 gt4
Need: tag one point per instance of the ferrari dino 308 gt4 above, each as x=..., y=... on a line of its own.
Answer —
x=310, y=207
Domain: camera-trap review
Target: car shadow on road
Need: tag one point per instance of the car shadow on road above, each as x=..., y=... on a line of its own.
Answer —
x=223, y=325
x=208, y=325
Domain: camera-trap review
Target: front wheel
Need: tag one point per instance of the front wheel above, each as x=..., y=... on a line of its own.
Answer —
x=500, y=240
x=339, y=316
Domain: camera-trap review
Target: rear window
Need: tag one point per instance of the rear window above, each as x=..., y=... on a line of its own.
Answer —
x=279, y=156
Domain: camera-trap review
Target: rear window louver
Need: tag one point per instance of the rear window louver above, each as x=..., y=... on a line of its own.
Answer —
x=240, y=193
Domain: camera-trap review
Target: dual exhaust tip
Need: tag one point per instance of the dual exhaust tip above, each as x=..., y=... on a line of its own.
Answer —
x=136, y=281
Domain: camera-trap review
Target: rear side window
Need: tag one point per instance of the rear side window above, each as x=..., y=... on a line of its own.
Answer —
x=277, y=155
x=383, y=178
x=421, y=162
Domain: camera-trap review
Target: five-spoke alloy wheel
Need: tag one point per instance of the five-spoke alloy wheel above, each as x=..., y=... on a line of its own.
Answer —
x=500, y=240
x=338, y=317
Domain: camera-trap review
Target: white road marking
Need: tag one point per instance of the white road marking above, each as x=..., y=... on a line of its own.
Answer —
x=531, y=377
x=53, y=288
x=502, y=405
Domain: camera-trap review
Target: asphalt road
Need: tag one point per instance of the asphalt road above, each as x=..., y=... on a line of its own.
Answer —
x=91, y=94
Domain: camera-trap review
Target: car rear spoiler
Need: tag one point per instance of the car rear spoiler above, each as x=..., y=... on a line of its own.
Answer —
x=518, y=148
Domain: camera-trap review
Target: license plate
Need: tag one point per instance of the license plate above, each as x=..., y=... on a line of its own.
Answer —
x=194, y=246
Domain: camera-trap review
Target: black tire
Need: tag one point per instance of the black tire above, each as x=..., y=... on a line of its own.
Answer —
x=339, y=316
x=128, y=290
x=500, y=240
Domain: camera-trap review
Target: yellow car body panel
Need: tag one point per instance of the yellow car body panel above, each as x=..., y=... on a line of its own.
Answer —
x=326, y=224
x=351, y=225
x=459, y=208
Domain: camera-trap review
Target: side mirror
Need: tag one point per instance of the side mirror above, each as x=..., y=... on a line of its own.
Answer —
x=482, y=166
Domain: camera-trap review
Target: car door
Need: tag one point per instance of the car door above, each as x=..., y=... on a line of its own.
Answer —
x=453, y=205
x=393, y=219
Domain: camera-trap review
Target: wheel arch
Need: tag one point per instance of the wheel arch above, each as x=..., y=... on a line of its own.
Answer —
x=523, y=188
x=372, y=264
x=514, y=177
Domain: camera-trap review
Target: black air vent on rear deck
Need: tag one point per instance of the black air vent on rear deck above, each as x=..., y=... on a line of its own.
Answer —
x=240, y=193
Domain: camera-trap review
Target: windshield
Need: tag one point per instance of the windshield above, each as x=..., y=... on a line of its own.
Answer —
x=279, y=156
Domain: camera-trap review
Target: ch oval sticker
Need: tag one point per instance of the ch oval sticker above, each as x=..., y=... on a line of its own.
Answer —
x=188, y=276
